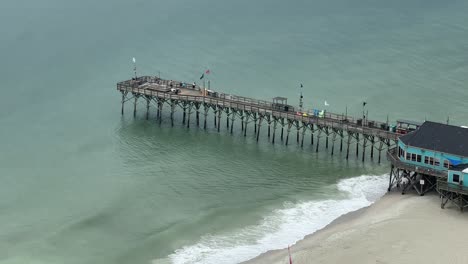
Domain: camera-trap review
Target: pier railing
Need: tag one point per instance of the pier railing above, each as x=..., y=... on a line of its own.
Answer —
x=451, y=187
x=331, y=120
x=392, y=156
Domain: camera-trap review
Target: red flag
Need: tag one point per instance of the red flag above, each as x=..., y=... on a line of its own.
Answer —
x=207, y=71
x=290, y=259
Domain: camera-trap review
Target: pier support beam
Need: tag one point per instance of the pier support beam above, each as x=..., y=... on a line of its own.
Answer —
x=189, y=113
x=259, y=124
x=341, y=142
x=206, y=108
x=172, y=112
x=184, y=107
x=124, y=94
x=197, y=114
x=255, y=122
x=380, y=148
x=147, y=107
x=219, y=118
x=327, y=134
x=269, y=123
x=241, y=114
x=364, y=148
x=275, y=122
x=214, y=117
x=390, y=178
x=456, y=198
x=318, y=139
x=296, y=123
x=333, y=143
x=282, y=128
x=157, y=107
x=233, y=116
x=357, y=145
x=413, y=179
x=246, y=122
x=312, y=134
x=304, y=128
x=134, y=105
x=160, y=107
x=289, y=130
x=348, y=143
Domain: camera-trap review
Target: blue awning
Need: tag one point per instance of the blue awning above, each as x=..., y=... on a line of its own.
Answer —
x=454, y=162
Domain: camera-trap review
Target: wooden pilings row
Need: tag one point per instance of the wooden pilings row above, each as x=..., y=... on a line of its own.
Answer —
x=246, y=117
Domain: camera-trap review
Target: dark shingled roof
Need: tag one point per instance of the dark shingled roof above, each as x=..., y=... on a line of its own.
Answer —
x=439, y=137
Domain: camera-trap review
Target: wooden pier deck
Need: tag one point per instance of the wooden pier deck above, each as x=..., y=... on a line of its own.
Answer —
x=191, y=98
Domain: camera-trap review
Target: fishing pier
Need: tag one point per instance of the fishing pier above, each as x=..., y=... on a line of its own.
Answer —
x=276, y=115
x=423, y=156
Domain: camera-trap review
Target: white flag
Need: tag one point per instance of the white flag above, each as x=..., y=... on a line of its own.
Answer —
x=134, y=61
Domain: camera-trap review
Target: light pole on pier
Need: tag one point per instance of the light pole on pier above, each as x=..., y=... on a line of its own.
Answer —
x=134, y=67
x=363, y=112
x=301, y=99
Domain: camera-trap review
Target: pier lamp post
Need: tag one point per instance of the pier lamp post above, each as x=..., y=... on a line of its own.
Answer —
x=301, y=98
x=134, y=67
x=363, y=112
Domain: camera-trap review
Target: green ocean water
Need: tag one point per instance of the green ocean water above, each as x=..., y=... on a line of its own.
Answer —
x=79, y=183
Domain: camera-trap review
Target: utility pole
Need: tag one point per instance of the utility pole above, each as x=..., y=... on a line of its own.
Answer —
x=300, y=99
x=363, y=113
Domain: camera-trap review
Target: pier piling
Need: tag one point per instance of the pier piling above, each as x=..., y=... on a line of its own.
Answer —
x=258, y=111
x=134, y=106
x=147, y=107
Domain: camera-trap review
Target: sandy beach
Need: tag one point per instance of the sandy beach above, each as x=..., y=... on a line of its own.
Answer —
x=395, y=229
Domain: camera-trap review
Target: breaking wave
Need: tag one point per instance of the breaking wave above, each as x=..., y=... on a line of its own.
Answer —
x=283, y=226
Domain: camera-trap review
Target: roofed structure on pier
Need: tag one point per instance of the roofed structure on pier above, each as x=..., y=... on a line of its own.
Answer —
x=439, y=137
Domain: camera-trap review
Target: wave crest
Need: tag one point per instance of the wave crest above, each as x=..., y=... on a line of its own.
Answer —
x=283, y=227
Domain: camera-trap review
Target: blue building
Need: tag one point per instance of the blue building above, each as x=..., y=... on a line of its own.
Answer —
x=436, y=146
x=433, y=155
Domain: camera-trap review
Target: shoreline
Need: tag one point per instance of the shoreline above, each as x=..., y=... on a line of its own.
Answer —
x=394, y=229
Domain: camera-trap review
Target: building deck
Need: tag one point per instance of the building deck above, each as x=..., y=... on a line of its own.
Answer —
x=396, y=162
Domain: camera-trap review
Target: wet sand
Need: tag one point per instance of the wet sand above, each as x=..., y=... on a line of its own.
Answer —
x=396, y=229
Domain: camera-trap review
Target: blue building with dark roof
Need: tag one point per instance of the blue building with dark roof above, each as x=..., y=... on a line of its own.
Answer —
x=433, y=156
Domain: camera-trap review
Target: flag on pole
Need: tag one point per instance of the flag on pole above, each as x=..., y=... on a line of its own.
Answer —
x=207, y=71
x=302, y=86
x=202, y=76
x=134, y=61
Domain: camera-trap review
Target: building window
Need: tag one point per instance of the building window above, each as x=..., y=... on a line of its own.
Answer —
x=413, y=157
x=426, y=160
x=401, y=152
x=418, y=158
x=456, y=178
x=446, y=164
x=436, y=162
x=408, y=156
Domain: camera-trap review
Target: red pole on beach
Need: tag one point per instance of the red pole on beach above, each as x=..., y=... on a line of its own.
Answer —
x=290, y=259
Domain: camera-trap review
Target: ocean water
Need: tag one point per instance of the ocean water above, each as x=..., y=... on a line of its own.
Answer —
x=79, y=183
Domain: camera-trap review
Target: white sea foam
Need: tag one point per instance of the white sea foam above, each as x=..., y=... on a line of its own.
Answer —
x=283, y=227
